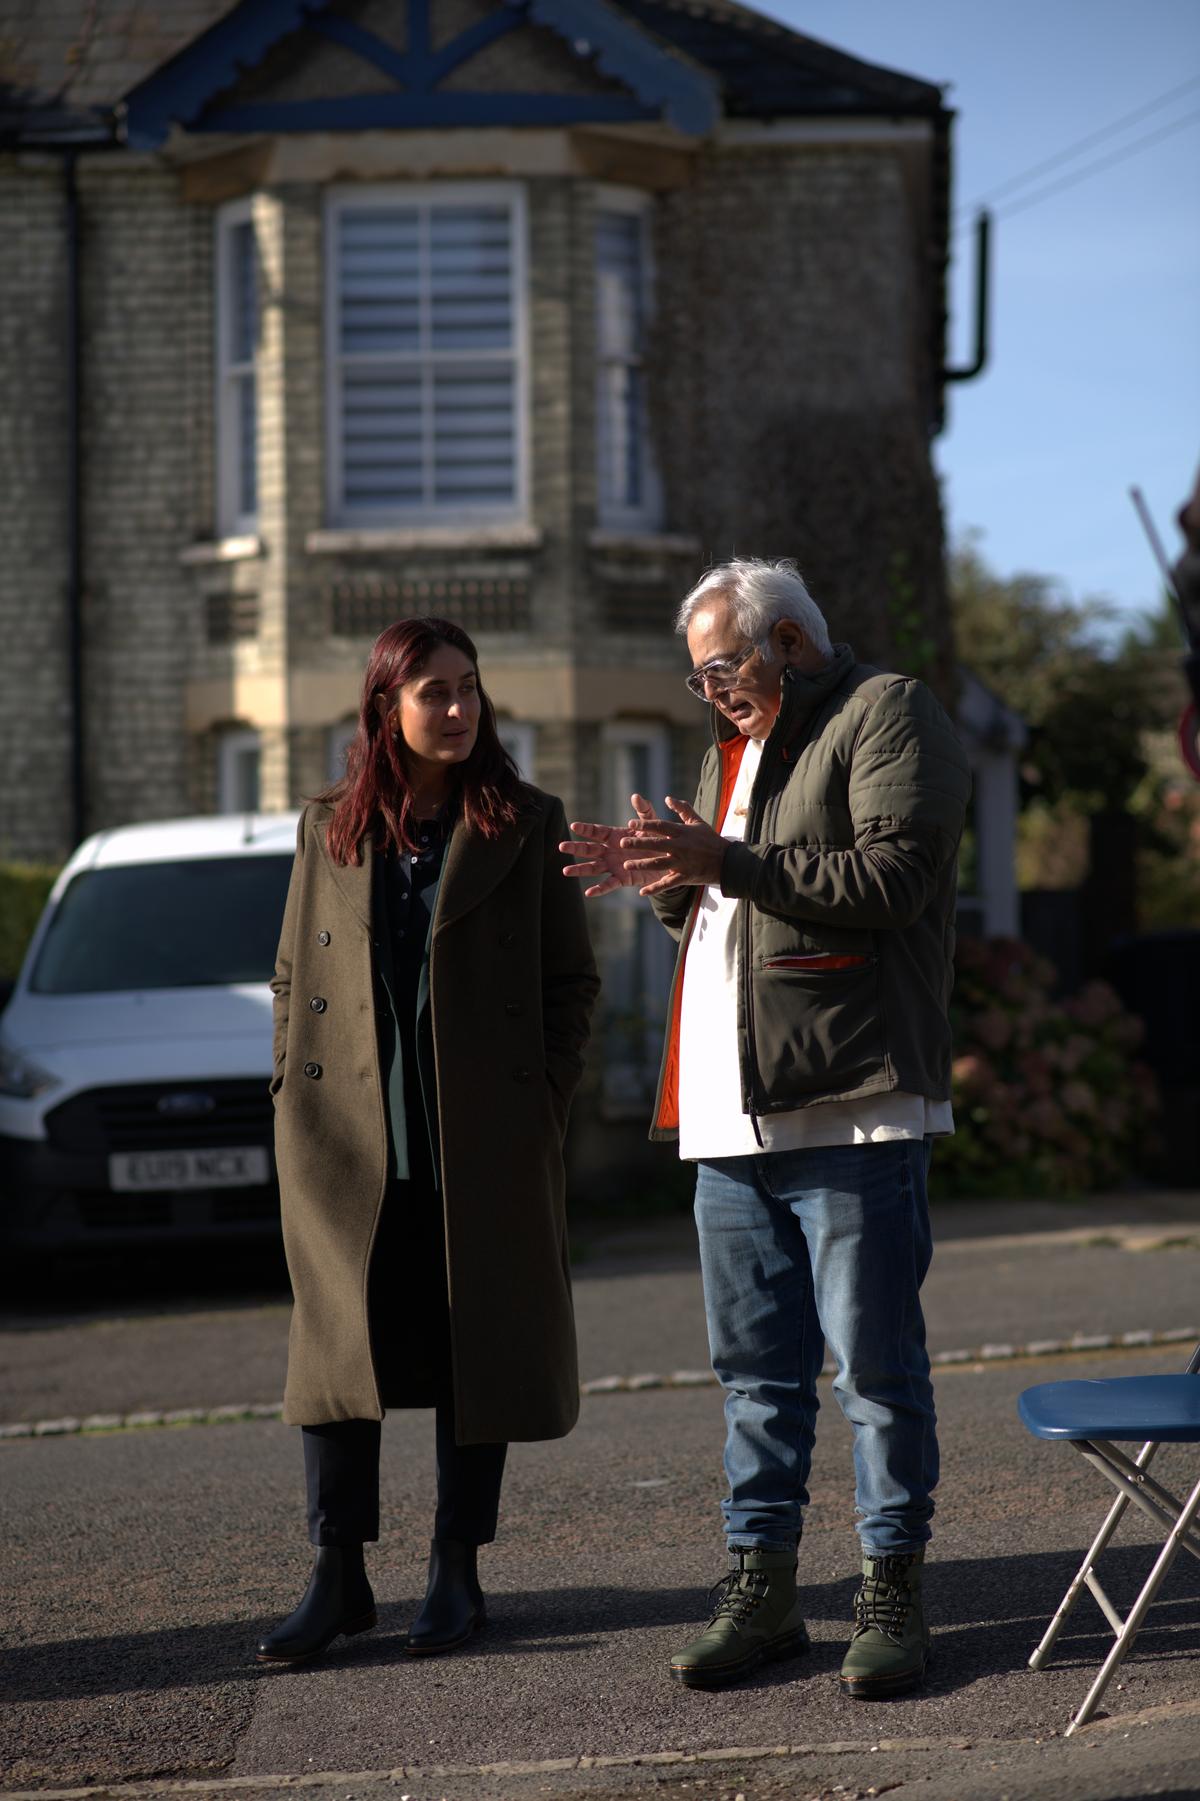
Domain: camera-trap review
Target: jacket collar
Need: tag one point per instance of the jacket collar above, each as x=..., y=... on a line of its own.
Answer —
x=803, y=696
x=473, y=867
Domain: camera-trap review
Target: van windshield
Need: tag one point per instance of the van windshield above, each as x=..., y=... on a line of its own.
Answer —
x=194, y=924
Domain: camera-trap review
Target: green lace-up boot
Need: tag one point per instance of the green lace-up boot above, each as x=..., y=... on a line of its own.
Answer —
x=756, y=1619
x=890, y=1644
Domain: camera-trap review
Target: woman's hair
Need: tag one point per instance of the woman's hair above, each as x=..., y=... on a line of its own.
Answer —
x=762, y=594
x=374, y=797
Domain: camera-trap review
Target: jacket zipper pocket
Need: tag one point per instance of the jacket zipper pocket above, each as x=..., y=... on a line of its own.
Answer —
x=819, y=962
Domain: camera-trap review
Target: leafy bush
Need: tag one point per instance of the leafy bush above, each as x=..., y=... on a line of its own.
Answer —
x=1048, y=1096
x=23, y=891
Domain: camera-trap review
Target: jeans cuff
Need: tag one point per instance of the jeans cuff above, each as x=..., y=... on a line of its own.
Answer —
x=742, y=1543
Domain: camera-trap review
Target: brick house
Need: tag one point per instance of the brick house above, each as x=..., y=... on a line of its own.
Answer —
x=316, y=314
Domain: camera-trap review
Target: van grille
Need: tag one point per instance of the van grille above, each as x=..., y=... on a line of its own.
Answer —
x=197, y=1212
x=103, y=1213
x=130, y=1119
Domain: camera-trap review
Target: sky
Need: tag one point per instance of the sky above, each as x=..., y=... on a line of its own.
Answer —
x=1094, y=378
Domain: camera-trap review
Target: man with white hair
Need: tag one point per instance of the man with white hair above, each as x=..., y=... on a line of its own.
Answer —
x=811, y=888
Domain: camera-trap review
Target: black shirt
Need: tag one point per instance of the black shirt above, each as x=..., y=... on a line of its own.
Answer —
x=407, y=892
x=409, y=878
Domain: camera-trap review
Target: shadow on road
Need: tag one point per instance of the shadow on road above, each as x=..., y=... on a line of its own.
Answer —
x=192, y=1279
x=987, y=1614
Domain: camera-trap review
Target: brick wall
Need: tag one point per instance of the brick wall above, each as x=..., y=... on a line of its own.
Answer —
x=790, y=384
x=138, y=474
x=34, y=700
x=788, y=395
x=137, y=490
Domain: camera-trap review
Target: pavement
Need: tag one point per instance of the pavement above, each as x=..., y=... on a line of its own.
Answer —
x=140, y=1564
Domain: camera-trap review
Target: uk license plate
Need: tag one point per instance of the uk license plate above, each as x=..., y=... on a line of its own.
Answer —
x=243, y=1166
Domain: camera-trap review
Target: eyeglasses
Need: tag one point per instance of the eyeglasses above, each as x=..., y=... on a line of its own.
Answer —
x=720, y=671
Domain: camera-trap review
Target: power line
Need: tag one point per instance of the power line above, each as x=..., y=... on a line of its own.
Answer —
x=1105, y=162
x=1070, y=151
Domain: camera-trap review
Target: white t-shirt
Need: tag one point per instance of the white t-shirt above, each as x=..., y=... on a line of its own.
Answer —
x=711, y=1122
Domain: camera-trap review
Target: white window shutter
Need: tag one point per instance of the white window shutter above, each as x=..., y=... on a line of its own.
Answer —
x=428, y=347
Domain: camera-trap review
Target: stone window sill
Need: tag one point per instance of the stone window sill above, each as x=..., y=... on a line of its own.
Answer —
x=352, y=541
x=222, y=550
x=644, y=544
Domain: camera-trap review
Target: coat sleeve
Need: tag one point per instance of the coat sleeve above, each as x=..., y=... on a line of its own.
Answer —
x=570, y=983
x=908, y=789
x=281, y=981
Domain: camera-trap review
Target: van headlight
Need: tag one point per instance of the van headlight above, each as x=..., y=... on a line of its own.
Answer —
x=22, y=1078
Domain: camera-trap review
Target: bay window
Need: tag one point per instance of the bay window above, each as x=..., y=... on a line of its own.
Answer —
x=628, y=492
x=237, y=311
x=426, y=359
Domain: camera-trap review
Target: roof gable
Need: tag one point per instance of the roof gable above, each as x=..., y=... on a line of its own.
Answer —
x=768, y=70
x=405, y=78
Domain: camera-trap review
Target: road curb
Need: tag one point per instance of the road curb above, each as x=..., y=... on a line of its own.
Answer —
x=550, y=1766
x=238, y=1412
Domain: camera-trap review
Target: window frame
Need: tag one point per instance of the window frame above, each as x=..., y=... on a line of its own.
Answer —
x=233, y=742
x=232, y=520
x=649, y=515
x=345, y=196
x=632, y=936
x=338, y=738
x=519, y=738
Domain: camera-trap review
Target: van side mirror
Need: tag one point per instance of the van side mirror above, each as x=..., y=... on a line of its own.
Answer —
x=7, y=984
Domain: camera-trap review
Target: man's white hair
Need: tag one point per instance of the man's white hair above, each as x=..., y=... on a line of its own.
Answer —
x=761, y=593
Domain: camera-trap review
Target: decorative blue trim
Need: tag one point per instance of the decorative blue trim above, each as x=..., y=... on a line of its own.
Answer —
x=184, y=90
x=417, y=72
x=473, y=39
x=365, y=44
x=183, y=87
x=660, y=79
x=419, y=39
x=379, y=112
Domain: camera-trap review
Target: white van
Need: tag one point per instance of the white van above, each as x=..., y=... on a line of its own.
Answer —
x=135, y=1048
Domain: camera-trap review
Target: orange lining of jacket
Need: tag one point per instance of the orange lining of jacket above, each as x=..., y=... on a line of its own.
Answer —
x=732, y=751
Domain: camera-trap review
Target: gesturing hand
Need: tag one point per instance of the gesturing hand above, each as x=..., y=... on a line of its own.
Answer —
x=689, y=853
x=599, y=858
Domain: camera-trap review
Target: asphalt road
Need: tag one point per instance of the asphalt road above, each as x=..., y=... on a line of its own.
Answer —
x=140, y=1566
x=637, y=1303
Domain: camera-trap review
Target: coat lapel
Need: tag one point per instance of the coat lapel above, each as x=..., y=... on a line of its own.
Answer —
x=474, y=866
x=353, y=881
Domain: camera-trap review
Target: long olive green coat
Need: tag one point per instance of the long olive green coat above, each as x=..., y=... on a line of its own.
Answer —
x=512, y=983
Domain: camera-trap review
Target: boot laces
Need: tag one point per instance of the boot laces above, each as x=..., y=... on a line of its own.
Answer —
x=736, y=1596
x=884, y=1602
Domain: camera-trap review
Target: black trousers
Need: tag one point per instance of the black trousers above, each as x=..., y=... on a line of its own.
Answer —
x=341, y=1472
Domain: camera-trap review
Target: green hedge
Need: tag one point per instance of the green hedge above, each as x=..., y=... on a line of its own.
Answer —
x=23, y=891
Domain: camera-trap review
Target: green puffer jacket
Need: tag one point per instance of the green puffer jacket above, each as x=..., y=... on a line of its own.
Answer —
x=846, y=881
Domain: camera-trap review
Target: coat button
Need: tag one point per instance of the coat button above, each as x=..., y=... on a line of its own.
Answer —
x=313, y=1070
x=513, y=1009
x=322, y=937
x=318, y=1003
x=522, y=1075
x=507, y=938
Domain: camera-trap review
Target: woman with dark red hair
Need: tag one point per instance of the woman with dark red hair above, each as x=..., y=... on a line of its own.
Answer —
x=432, y=995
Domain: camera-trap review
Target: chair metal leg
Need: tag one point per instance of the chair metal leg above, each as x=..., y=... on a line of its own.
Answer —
x=1137, y=1613
x=1112, y=1520
x=1155, y=1501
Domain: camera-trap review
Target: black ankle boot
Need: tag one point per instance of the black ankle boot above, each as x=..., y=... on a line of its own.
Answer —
x=338, y=1599
x=453, y=1607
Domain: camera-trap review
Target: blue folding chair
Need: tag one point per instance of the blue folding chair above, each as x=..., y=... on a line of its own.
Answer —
x=1095, y=1417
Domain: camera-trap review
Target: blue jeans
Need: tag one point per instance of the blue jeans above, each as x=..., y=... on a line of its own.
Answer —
x=799, y=1249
